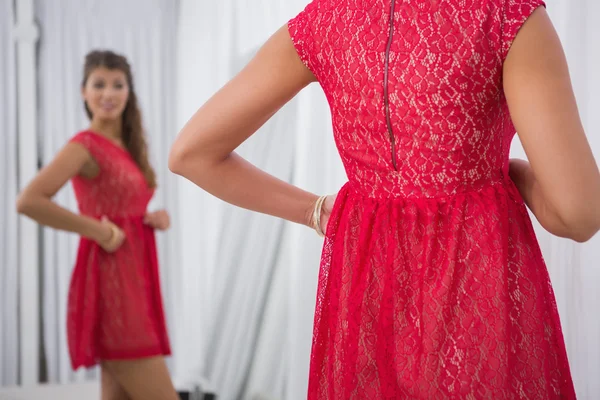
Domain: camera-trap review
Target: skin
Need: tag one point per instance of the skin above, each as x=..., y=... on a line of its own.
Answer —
x=561, y=182
x=204, y=149
x=106, y=93
x=561, y=185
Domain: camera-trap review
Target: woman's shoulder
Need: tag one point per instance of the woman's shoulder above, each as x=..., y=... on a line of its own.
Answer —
x=83, y=137
x=96, y=144
x=316, y=8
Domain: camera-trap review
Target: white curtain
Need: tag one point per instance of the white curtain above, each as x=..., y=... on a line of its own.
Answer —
x=250, y=279
x=145, y=32
x=9, y=267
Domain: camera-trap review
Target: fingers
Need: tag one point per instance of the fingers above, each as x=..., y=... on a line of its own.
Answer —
x=121, y=239
x=118, y=241
x=329, y=202
x=327, y=209
x=158, y=220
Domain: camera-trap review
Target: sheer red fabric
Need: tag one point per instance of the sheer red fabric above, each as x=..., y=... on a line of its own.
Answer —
x=115, y=307
x=432, y=283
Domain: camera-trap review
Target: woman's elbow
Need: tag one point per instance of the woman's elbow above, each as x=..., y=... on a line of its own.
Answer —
x=584, y=232
x=24, y=204
x=178, y=159
x=192, y=162
x=582, y=226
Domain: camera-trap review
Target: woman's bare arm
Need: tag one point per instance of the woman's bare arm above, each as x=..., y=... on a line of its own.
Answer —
x=561, y=184
x=35, y=201
x=204, y=149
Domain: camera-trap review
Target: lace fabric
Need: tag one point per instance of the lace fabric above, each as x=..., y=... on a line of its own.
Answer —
x=115, y=307
x=432, y=284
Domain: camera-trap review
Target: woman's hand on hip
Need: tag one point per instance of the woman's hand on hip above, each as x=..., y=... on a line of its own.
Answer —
x=326, y=210
x=113, y=238
x=158, y=220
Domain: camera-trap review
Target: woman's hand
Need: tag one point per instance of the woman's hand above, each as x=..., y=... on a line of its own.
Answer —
x=326, y=210
x=158, y=220
x=113, y=237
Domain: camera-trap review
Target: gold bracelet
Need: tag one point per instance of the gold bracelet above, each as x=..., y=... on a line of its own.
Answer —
x=317, y=215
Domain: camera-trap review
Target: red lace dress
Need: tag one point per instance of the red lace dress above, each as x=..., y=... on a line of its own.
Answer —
x=432, y=284
x=115, y=306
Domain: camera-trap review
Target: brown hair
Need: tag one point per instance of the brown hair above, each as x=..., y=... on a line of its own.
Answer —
x=133, y=133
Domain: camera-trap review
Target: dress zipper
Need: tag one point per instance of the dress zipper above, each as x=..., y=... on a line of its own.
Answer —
x=386, y=93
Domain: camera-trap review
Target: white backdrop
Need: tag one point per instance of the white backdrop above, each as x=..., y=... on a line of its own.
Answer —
x=145, y=32
x=9, y=338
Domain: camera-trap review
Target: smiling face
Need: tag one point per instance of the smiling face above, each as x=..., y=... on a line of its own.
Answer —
x=105, y=93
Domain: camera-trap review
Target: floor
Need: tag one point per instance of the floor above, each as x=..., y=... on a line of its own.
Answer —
x=88, y=391
x=82, y=391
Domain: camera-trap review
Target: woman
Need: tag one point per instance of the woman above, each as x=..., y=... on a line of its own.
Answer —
x=432, y=283
x=115, y=315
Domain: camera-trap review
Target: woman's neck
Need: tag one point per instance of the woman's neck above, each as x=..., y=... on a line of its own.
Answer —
x=111, y=129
